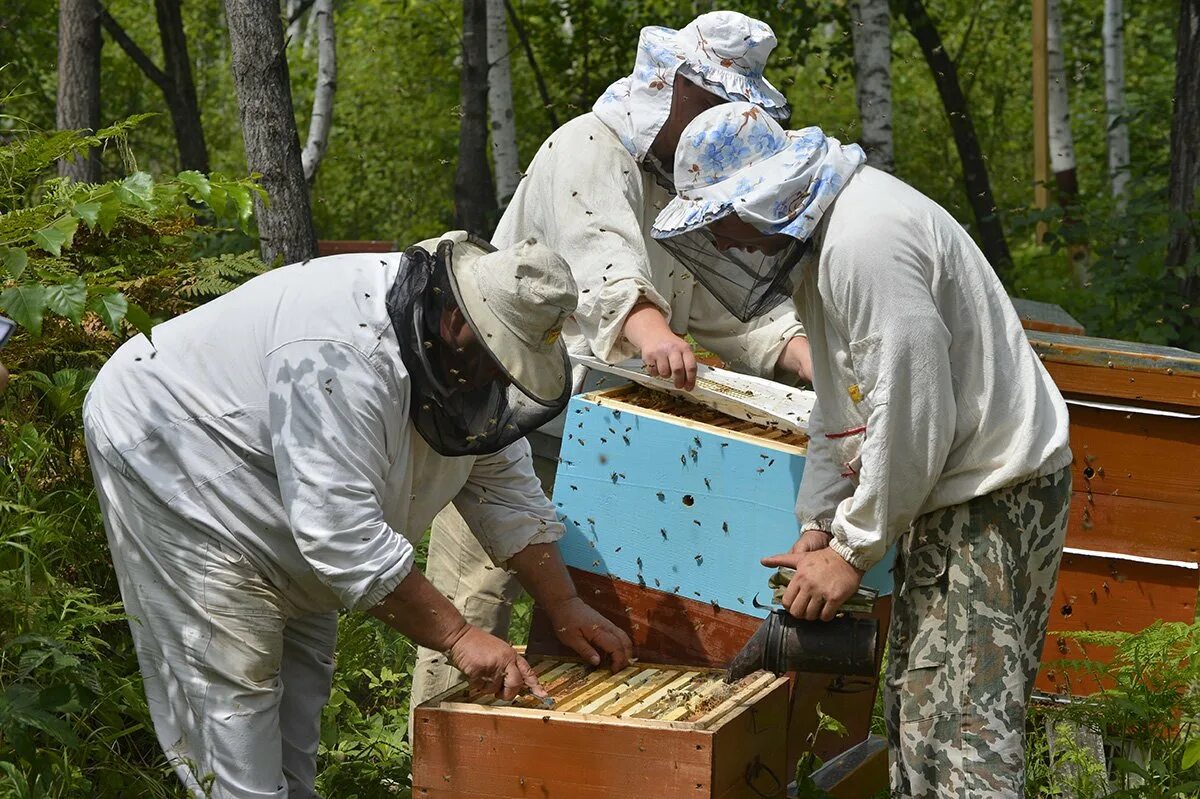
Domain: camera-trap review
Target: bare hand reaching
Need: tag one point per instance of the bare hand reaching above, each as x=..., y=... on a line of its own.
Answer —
x=493, y=665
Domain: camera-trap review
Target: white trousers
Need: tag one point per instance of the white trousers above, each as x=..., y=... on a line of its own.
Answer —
x=234, y=675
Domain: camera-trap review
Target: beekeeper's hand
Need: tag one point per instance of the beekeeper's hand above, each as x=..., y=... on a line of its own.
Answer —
x=582, y=628
x=665, y=354
x=493, y=665
x=822, y=583
x=811, y=540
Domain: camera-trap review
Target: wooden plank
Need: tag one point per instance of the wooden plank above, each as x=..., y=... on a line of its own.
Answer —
x=740, y=699
x=1108, y=593
x=343, y=247
x=648, y=701
x=661, y=679
x=859, y=772
x=664, y=627
x=597, y=689
x=1132, y=526
x=751, y=742
x=616, y=690
x=1045, y=317
x=1131, y=454
x=469, y=753
x=1106, y=368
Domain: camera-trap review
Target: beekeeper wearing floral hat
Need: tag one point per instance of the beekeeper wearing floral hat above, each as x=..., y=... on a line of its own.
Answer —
x=936, y=428
x=591, y=193
x=274, y=455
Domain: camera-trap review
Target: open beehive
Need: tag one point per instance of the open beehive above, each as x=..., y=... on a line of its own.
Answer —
x=651, y=730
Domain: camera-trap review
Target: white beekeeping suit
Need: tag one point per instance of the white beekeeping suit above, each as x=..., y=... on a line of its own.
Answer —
x=258, y=469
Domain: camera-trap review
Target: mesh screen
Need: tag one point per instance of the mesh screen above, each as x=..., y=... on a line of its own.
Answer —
x=462, y=401
x=747, y=284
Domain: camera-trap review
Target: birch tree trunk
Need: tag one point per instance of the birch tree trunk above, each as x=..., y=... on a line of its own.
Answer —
x=500, y=104
x=1062, y=143
x=1114, y=99
x=322, y=109
x=1185, y=165
x=78, y=103
x=264, y=91
x=975, y=175
x=474, y=194
x=873, y=79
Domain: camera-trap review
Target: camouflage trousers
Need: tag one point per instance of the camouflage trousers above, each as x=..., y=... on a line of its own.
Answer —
x=974, y=586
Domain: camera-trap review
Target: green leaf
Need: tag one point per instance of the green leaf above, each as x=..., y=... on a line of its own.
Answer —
x=53, y=237
x=1191, y=755
x=197, y=183
x=240, y=196
x=137, y=189
x=217, y=199
x=111, y=308
x=138, y=318
x=25, y=304
x=110, y=209
x=68, y=299
x=88, y=211
x=15, y=261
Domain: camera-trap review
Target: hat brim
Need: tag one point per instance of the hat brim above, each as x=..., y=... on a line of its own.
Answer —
x=735, y=87
x=540, y=373
x=706, y=204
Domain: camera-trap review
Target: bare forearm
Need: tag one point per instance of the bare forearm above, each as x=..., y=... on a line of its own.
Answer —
x=796, y=359
x=644, y=322
x=540, y=569
x=419, y=610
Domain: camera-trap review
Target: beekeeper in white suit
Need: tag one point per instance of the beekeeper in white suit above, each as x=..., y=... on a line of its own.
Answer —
x=591, y=193
x=273, y=456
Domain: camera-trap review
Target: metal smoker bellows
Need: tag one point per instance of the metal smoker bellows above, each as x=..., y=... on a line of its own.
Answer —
x=784, y=643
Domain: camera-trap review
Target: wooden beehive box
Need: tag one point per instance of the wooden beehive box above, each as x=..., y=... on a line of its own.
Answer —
x=648, y=732
x=668, y=507
x=1133, y=540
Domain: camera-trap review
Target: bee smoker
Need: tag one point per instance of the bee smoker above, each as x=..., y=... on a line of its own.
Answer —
x=845, y=645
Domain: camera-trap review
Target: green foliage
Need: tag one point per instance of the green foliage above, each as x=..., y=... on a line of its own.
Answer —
x=83, y=265
x=60, y=242
x=1148, y=718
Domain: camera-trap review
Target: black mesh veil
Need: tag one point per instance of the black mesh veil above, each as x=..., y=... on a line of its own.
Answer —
x=463, y=402
x=747, y=284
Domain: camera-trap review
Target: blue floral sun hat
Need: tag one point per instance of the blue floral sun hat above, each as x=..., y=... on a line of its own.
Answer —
x=735, y=158
x=723, y=51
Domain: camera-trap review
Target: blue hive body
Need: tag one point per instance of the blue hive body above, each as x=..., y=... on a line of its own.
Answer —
x=678, y=506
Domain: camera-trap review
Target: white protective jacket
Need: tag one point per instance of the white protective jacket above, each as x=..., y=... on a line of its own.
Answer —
x=275, y=418
x=928, y=393
x=586, y=197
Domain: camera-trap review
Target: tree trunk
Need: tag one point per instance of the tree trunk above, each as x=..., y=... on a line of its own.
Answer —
x=260, y=74
x=474, y=195
x=79, y=81
x=181, y=98
x=873, y=79
x=978, y=186
x=1062, y=143
x=322, y=109
x=1114, y=99
x=500, y=105
x=175, y=82
x=1185, y=157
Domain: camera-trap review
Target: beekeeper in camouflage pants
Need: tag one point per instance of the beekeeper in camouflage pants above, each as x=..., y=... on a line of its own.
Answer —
x=935, y=428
